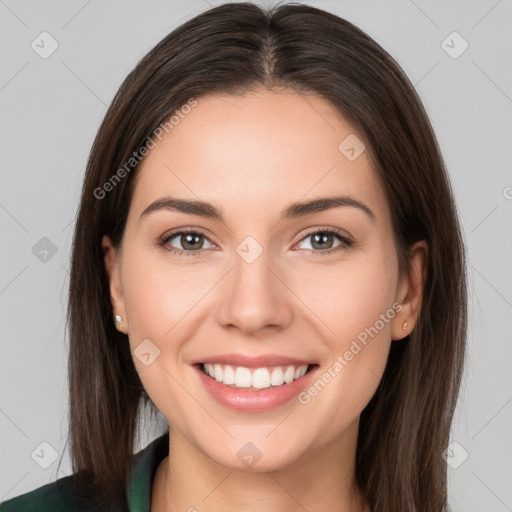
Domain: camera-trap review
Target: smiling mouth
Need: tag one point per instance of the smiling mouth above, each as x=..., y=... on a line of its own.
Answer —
x=240, y=377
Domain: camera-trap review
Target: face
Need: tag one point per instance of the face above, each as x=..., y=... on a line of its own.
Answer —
x=255, y=287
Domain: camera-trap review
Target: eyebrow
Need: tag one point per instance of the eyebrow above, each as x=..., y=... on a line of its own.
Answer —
x=292, y=211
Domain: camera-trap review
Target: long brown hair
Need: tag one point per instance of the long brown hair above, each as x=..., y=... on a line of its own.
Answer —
x=233, y=49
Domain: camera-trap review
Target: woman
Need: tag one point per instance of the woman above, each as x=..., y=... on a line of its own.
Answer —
x=267, y=251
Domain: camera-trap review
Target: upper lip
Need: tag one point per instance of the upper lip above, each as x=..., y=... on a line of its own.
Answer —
x=260, y=361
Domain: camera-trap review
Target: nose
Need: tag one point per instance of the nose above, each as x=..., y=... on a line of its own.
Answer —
x=255, y=297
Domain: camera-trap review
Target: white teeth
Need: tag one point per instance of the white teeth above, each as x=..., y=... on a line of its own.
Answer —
x=289, y=374
x=261, y=378
x=277, y=377
x=257, y=378
x=300, y=371
x=228, y=375
x=243, y=377
x=208, y=368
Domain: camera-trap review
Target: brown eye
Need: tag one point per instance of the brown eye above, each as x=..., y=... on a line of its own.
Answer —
x=191, y=241
x=185, y=242
x=324, y=239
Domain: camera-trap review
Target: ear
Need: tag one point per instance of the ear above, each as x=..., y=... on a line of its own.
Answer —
x=410, y=291
x=113, y=267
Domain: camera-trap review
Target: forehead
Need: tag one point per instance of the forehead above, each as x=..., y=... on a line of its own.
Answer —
x=266, y=147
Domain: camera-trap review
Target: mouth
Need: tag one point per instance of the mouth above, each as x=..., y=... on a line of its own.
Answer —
x=249, y=383
x=255, y=379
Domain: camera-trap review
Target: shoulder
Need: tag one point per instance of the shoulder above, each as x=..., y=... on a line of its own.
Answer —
x=58, y=496
x=66, y=495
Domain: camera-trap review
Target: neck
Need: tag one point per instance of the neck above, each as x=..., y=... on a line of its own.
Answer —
x=322, y=479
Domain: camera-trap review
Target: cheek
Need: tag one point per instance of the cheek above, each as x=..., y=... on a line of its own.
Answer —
x=355, y=303
x=351, y=296
x=158, y=294
x=159, y=299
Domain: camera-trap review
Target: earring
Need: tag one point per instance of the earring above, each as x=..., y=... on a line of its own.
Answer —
x=117, y=321
x=405, y=326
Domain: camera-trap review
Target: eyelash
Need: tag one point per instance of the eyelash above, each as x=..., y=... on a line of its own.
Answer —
x=345, y=242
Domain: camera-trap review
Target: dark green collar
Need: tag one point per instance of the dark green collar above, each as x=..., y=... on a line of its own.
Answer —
x=145, y=464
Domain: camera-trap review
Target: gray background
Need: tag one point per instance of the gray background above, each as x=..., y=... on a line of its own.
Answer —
x=51, y=109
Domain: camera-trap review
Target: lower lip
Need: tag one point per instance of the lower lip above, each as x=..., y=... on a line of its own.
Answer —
x=254, y=400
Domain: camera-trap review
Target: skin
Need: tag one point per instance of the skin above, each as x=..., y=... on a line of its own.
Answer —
x=251, y=156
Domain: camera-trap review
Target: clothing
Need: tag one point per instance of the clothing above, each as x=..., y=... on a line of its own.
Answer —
x=49, y=498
